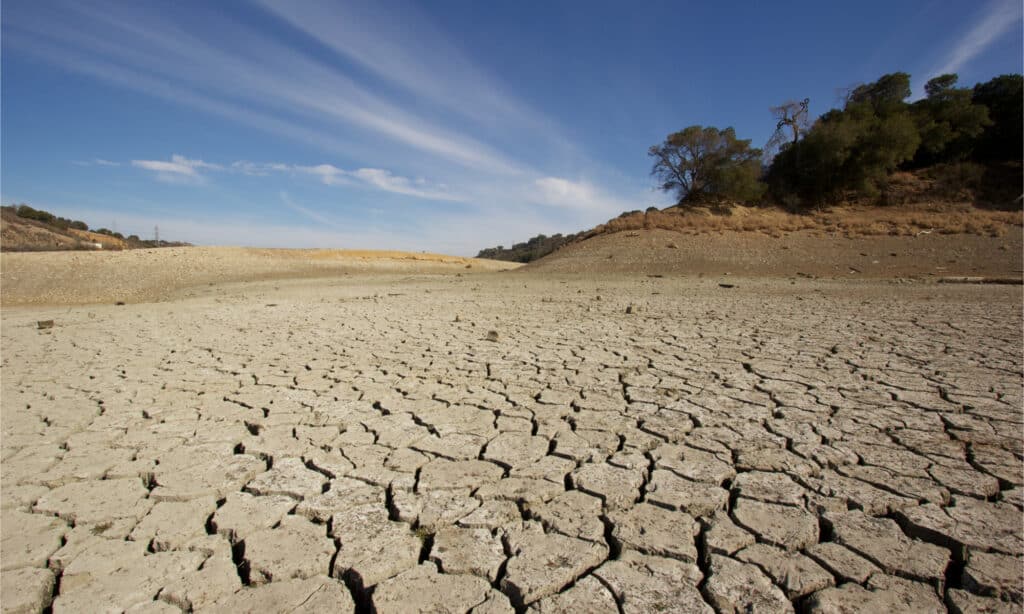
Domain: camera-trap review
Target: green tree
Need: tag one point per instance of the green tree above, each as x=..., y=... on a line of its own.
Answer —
x=704, y=164
x=1003, y=139
x=849, y=151
x=948, y=121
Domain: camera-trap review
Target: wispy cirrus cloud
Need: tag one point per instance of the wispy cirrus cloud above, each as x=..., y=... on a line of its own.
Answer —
x=561, y=192
x=95, y=162
x=997, y=19
x=178, y=169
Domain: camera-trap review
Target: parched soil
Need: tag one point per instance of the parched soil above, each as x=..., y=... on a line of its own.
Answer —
x=513, y=442
x=925, y=257
x=145, y=275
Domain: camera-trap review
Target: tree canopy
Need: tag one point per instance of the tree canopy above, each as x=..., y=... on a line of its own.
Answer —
x=704, y=164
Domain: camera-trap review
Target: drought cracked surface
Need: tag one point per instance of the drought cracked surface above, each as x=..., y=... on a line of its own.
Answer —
x=502, y=443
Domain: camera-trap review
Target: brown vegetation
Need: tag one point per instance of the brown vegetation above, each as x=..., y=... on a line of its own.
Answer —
x=850, y=221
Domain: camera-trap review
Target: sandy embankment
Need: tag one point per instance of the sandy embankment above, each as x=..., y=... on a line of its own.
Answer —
x=158, y=274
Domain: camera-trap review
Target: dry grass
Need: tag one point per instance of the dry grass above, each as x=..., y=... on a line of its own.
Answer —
x=855, y=221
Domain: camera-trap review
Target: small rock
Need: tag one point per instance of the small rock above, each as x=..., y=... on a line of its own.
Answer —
x=492, y=335
x=44, y=324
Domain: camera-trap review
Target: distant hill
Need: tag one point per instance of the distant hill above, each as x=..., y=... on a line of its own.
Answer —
x=23, y=228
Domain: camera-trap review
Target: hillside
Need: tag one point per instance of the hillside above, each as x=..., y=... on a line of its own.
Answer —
x=23, y=229
x=803, y=253
x=935, y=239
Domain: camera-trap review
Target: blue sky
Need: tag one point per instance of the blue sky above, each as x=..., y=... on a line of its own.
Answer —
x=448, y=125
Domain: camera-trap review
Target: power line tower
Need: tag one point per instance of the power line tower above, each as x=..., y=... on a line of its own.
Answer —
x=156, y=234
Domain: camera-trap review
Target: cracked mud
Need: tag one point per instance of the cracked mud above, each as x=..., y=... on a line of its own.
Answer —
x=368, y=445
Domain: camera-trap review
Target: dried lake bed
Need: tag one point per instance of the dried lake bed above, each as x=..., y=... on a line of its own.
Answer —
x=502, y=442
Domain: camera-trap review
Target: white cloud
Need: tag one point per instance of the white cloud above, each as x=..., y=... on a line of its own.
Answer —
x=384, y=180
x=998, y=18
x=95, y=162
x=179, y=169
x=313, y=215
x=559, y=192
x=328, y=173
x=185, y=170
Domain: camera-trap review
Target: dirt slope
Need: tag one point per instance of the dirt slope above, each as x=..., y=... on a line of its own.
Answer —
x=752, y=254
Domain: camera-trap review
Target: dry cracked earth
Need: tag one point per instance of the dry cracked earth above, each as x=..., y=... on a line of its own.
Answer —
x=503, y=443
